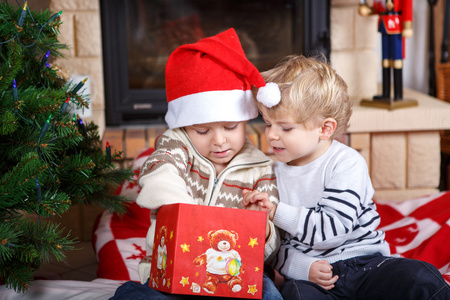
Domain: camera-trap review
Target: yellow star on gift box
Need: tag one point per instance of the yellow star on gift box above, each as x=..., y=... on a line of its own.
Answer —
x=253, y=242
x=200, y=239
x=185, y=247
x=184, y=281
x=252, y=289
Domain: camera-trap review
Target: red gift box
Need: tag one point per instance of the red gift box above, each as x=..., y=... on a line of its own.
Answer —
x=209, y=251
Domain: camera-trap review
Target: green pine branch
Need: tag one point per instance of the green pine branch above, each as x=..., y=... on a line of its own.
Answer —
x=25, y=246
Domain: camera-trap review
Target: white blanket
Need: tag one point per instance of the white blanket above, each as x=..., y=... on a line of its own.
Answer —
x=64, y=290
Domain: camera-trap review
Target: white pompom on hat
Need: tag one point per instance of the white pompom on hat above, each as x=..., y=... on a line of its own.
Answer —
x=211, y=80
x=269, y=95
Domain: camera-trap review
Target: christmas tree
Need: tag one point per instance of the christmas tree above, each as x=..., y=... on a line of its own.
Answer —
x=50, y=159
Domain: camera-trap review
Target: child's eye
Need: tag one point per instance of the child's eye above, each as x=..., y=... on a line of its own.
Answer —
x=286, y=129
x=231, y=127
x=202, y=132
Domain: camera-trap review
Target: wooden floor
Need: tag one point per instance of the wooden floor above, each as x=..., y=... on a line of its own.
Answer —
x=132, y=140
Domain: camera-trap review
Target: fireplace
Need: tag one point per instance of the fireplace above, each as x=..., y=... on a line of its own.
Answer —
x=139, y=35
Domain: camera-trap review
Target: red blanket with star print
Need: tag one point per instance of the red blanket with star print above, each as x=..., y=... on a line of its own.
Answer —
x=417, y=228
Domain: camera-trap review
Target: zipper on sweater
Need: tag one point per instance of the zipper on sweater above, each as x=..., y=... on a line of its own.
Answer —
x=216, y=179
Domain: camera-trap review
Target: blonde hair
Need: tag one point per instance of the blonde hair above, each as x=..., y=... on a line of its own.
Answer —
x=310, y=89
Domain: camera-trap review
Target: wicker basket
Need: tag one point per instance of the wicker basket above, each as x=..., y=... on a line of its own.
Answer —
x=443, y=93
x=443, y=81
x=445, y=141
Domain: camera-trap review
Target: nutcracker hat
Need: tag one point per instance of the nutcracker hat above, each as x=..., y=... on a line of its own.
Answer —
x=211, y=81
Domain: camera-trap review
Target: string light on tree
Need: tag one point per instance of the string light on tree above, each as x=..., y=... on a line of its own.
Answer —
x=81, y=126
x=38, y=192
x=108, y=151
x=57, y=15
x=23, y=13
x=78, y=86
x=45, y=127
x=64, y=106
x=45, y=60
x=15, y=93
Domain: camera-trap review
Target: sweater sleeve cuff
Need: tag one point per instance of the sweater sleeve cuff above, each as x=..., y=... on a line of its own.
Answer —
x=272, y=242
x=295, y=266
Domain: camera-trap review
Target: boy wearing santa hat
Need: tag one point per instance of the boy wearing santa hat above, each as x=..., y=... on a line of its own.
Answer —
x=205, y=157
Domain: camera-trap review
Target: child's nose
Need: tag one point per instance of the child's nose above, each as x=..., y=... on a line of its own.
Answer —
x=271, y=133
x=219, y=138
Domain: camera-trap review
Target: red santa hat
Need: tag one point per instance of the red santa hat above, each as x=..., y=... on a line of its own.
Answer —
x=211, y=80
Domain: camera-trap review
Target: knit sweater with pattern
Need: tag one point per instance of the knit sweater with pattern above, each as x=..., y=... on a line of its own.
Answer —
x=177, y=173
x=326, y=211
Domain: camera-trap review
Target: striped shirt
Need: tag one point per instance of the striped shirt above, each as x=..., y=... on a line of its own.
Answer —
x=326, y=211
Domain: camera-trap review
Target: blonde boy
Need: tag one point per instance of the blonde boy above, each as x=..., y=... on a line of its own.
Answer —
x=331, y=247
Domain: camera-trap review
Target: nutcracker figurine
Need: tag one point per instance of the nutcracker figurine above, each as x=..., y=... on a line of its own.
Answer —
x=394, y=24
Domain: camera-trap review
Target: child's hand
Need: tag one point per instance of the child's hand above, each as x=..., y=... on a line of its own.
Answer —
x=248, y=201
x=256, y=200
x=321, y=273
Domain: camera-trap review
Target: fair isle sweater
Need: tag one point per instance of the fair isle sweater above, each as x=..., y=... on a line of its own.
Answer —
x=177, y=173
x=326, y=211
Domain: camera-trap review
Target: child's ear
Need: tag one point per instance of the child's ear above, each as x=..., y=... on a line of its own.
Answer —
x=328, y=128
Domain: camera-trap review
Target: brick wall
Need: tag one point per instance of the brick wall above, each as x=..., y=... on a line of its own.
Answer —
x=81, y=31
